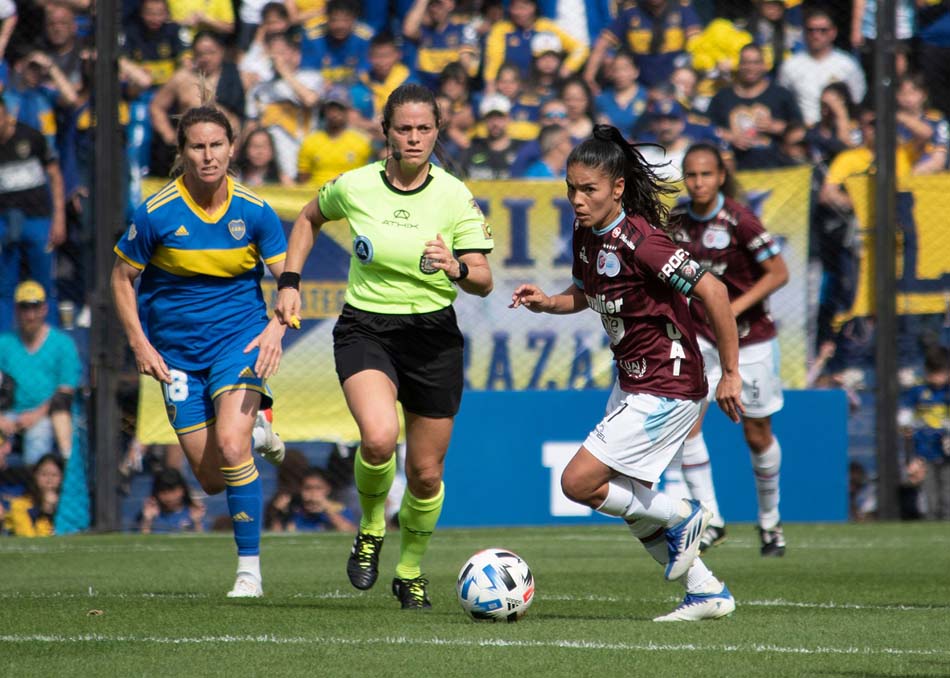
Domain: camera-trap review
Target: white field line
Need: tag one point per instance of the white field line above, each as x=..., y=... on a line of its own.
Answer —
x=484, y=643
x=347, y=595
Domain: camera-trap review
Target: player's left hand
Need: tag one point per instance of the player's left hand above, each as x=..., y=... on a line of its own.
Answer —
x=269, y=343
x=729, y=396
x=441, y=257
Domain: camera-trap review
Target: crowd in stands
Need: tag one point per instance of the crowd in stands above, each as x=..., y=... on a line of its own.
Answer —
x=773, y=83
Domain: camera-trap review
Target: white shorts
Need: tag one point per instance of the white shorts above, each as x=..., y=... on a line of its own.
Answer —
x=641, y=433
x=759, y=368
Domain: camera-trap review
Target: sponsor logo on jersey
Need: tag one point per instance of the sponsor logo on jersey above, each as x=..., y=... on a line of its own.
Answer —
x=132, y=232
x=716, y=238
x=242, y=517
x=400, y=219
x=182, y=231
x=583, y=255
x=237, y=229
x=608, y=264
x=401, y=214
x=674, y=262
x=601, y=304
x=247, y=372
x=363, y=249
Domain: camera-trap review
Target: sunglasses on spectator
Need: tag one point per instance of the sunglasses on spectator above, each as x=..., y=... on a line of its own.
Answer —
x=555, y=114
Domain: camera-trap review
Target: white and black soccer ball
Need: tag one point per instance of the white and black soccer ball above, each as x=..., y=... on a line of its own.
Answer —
x=495, y=585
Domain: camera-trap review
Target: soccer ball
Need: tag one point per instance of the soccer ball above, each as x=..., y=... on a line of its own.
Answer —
x=495, y=585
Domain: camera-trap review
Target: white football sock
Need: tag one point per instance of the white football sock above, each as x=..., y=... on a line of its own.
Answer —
x=631, y=500
x=250, y=565
x=674, y=485
x=766, y=467
x=697, y=472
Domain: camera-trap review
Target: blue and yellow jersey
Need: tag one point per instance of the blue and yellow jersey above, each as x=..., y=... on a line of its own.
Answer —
x=369, y=94
x=437, y=49
x=157, y=52
x=926, y=410
x=939, y=140
x=508, y=43
x=200, y=290
x=524, y=118
x=337, y=61
x=33, y=109
x=633, y=28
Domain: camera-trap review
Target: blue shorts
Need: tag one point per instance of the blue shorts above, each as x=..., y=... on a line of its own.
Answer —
x=189, y=399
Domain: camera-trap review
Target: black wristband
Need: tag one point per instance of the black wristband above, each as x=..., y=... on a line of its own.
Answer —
x=463, y=272
x=288, y=279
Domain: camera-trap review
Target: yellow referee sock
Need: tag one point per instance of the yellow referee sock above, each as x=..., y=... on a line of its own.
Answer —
x=417, y=520
x=373, y=483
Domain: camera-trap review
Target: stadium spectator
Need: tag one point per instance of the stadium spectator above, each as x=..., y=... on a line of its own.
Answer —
x=491, y=156
x=458, y=114
x=339, y=49
x=923, y=416
x=251, y=15
x=312, y=509
x=864, y=32
x=793, y=147
x=583, y=20
x=289, y=476
x=726, y=237
x=544, y=80
x=32, y=514
x=921, y=128
x=307, y=14
x=659, y=367
x=414, y=299
x=171, y=508
x=335, y=149
x=624, y=102
x=8, y=21
x=510, y=42
x=579, y=104
x=61, y=44
x=667, y=131
x=837, y=127
x=257, y=161
x=555, y=143
x=286, y=105
x=255, y=65
x=807, y=73
x=525, y=104
x=553, y=112
x=44, y=364
x=197, y=16
x=373, y=86
x=752, y=114
x=439, y=39
x=208, y=342
x=933, y=34
x=32, y=209
x=184, y=91
x=655, y=31
x=773, y=30
x=25, y=96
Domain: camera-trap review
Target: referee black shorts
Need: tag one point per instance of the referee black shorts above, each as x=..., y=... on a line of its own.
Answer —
x=421, y=353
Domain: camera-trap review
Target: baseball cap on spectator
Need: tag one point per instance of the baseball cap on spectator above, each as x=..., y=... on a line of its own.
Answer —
x=666, y=108
x=29, y=292
x=494, y=103
x=544, y=42
x=337, y=94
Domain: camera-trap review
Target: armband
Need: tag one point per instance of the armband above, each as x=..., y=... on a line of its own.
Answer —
x=463, y=272
x=288, y=279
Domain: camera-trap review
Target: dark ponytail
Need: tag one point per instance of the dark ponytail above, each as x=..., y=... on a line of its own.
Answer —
x=729, y=188
x=643, y=189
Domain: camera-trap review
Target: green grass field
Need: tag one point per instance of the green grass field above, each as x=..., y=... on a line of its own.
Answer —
x=847, y=600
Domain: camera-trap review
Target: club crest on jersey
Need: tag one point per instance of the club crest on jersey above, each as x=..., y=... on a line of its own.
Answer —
x=171, y=411
x=608, y=264
x=237, y=229
x=425, y=265
x=363, y=249
x=634, y=368
x=716, y=238
x=616, y=232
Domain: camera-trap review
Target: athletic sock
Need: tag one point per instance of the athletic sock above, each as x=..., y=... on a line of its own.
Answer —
x=766, y=467
x=697, y=472
x=674, y=484
x=373, y=483
x=631, y=500
x=698, y=579
x=246, y=505
x=417, y=521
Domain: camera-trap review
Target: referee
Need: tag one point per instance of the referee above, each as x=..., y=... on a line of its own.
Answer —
x=418, y=235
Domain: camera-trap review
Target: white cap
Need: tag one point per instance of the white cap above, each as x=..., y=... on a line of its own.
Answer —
x=545, y=42
x=494, y=103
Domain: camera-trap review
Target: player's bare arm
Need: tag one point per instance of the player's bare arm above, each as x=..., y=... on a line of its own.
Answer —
x=304, y=233
x=535, y=300
x=477, y=279
x=715, y=298
x=269, y=340
x=147, y=359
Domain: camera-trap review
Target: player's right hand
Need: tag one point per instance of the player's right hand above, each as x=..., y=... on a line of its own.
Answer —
x=287, y=308
x=149, y=362
x=532, y=298
x=729, y=396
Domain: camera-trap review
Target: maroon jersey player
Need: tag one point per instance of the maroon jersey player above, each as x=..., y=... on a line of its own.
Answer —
x=630, y=272
x=726, y=238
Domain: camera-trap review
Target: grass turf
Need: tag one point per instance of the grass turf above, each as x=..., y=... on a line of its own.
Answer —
x=846, y=600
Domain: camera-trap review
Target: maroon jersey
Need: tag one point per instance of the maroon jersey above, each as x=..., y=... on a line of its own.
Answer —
x=732, y=244
x=638, y=279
